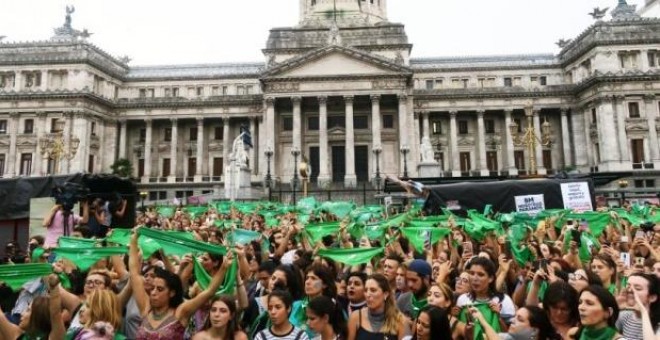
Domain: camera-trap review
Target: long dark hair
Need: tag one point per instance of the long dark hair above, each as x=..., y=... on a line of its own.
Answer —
x=39, y=324
x=173, y=283
x=232, y=325
x=323, y=273
x=654, y=289
x=324, y=305
x=439, y=320
x=606, y=300
x=539, y=320
x=293, y=280
x=561, y=291
x=489, y=268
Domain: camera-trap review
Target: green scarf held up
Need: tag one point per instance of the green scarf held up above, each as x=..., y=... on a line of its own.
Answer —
x=166, y=212
x=417, y=306
x=351, y=256
x=16, y=275
x=85, y=258
x=174, y=243
x=204, y=279
x=419, y=237
x=242, y=236
x=316, y=232
x=492, y=318
x=76, y=242
x=590, y=333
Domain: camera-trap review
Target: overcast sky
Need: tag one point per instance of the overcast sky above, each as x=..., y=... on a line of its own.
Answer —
x=156, y=32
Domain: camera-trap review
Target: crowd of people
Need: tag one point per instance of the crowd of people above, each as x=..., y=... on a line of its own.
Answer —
x=268, y=271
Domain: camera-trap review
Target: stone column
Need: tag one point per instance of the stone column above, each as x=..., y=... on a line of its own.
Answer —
x=81, y=130
x=624, y=144
x=453, y=143
x=426, y=129
x=350, y=180
x=540, y=169
x=510, y=159
x=376, y=140
x=199, y=162
x=12, y=162
x=481, y=131
x=565, y=138
x=122, y=137
x=38, y=159
x=226, y=146
x=403, y=127
x=644, y=60
x=585, y=123
x=147, y=151
x=297, y=125
x=253, y=150
x=607, y=135
x=270, y=135
x=324, y=174
x=18, y=81
x=650, y=107
x=173, y=151
x=64, y=164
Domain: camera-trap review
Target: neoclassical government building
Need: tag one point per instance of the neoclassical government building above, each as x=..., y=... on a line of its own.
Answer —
x=341, y=90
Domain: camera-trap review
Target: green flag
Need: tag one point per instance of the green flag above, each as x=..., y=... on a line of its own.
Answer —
x=351, y=256
x=242, y=236
x=76, y=242
x=195, y=212
x=491, y=317
x=16, y=275
x=84, y=258
x=419, y=237
x=307, y=205
x=166, y=212
x=204, y=279
x=316, y=232
x=339, y=209
x=174, y=243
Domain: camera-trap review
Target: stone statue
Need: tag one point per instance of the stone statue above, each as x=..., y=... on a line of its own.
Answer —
x=561, y=43
x=69, y=11
x=334, y=38
x=598, y=13
x=428, y=155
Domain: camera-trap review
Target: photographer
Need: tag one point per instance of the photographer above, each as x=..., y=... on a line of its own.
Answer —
x=60, y=222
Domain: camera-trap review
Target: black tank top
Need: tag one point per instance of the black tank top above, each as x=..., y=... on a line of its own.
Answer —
x=363, y=334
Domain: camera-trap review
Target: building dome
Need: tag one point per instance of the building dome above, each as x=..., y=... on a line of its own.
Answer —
x=345, y=12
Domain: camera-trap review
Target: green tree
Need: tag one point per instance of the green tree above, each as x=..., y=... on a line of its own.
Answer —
x=122, y=168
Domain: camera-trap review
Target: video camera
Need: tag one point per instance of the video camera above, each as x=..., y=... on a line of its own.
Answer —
x=68, y=194
x=647, y=226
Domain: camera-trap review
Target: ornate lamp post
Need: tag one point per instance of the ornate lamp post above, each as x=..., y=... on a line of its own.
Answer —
x=295, y=152
x=143, y=196
x=55, y=147
x=269, y=154
x=529, y=138
x=405, y=150
x=623, y=184
x=377, y=150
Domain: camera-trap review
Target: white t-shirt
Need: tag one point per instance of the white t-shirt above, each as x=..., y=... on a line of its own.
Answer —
x=508, y=308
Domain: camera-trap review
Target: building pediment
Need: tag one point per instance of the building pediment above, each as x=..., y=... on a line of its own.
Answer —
x=335, y=61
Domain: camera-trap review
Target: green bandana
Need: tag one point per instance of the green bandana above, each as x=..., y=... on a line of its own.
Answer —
x=204, y=279
x=351, y=256
x=16, y=275
x=417, y=306
x=84, y=258
x=491, y=317
x=420, y=237
x=75, y=242
x=242, y=236
x=174, y=243
x=166, y=212
x=37, y=254
x=316, y=232
x=605, y=333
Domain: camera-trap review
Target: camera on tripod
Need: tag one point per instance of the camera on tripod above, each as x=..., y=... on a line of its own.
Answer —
x=68, y=194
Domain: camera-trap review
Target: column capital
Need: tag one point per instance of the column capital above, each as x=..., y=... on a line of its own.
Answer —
x=508, y=111
x=349, y=99
x=323, y=99
x=452, y=114
x=174, y=120
x=402, y=96
x=225, y=120
x=41, y=114
x=269, y=101
x=375, y=98
x=564, y=110
x=122, y=121
x=200, y=120
x=480, y=113
x=148, y=121
x=13, y=114
x=536, y=111
x=296, y=99
x=649, y=97
x=619, y=98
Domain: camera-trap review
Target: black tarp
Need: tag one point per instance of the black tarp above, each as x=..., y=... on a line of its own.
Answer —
x=500, y=194
x=15, y=193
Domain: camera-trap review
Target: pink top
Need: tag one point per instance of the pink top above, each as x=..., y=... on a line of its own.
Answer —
x=169, y=329
x=56, y=228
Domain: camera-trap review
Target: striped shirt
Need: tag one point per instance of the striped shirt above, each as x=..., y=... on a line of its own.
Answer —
x=295, y=334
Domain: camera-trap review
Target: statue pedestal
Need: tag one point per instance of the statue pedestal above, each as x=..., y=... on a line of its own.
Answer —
x=237, y=179
x=429, y=169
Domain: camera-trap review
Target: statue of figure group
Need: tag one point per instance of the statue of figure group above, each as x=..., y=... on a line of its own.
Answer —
x=427, y=153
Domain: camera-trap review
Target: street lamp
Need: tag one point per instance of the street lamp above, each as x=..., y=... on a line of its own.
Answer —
x=377, y=150
x=404, y=150
x=623, y=184
x=143, y=196
x=529, y=138
x=269, y=154
x=295, y=152
x=55, y=147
